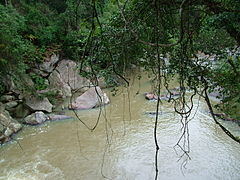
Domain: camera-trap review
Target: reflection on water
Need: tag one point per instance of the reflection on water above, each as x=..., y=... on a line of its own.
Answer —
x=121, y=148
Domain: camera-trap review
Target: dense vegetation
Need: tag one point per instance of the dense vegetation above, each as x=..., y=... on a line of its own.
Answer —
x=111, y=35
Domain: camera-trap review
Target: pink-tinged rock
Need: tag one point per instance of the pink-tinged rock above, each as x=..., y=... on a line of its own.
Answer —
x=93, y=97
x=151, y=96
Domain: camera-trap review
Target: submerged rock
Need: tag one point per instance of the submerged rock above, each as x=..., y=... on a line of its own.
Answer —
x=151, y=96
x=93, y=97
x=154, y=113
x=175, y=93
x=54, y=117
x=39, y=117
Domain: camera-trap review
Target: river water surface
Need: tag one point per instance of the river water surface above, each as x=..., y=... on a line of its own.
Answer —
x=122, y=145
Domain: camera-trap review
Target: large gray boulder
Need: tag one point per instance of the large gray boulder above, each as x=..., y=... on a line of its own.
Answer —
x=66, y=78
x=49, y=64
x=70, y=75
x=36, y=118
x=38, y=104
x=8, y=125
x=56, y=81
x=93, y=97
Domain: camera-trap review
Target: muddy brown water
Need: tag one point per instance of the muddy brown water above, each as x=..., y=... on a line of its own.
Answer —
x=122, y=145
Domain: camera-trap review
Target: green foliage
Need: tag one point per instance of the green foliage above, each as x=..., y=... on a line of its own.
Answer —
x=39, y=82
x=108, y=37
x=13, y=46
x=51, y=95
x=40, y=22
x=11, y=41
x=211, y=40
x=226, y=75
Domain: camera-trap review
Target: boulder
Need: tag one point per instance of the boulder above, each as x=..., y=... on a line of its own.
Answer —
x=216, y=94
x=175, y=92
x=103, y=100
x=49, y=64
x=7, y=98
x=151, y=96
x=8, y=132
x=10, y=105
x=16, y=86
x=56, y=81
x=70, y=75
x=15, y=126
x=5, y=118
x=38, y=104
x=8, y=126
x=21, y=111
x=9, y=84
x=54, y=117
x=36, y=118
x=66, y=78
x=93, y=97
x=165, y=97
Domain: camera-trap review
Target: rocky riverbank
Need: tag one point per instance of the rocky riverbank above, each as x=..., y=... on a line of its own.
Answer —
x=62, y=78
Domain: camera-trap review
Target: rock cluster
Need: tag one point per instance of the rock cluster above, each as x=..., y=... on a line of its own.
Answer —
x=175, y=93
x=62, y=77
x=8, y=126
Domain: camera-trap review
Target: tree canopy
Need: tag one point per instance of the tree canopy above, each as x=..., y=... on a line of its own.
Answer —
x=111, y=35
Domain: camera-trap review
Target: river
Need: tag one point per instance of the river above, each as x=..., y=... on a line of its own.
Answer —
x=122, y=146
